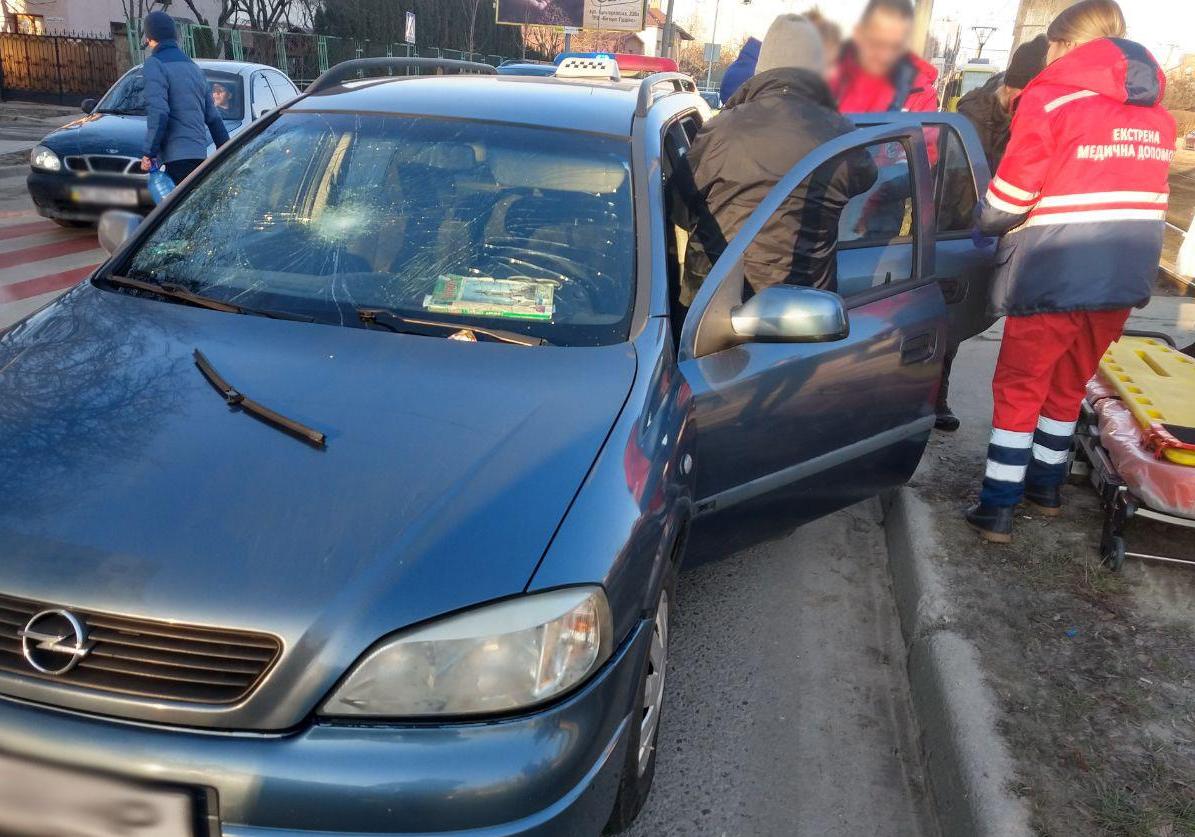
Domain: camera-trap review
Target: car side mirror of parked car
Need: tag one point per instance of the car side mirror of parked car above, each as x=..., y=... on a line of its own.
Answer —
x=791, y=314
x=116, y=225
x=88, y=105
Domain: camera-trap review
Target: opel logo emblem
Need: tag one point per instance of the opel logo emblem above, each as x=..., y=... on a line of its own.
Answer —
x=54, y=641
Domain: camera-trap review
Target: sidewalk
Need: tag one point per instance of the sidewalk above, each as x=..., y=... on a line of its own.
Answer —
x=1087, y=678
x=23, y=124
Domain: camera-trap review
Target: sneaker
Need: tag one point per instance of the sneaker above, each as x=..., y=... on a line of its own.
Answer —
x=1044, y=499
x=994, y=523
x=946, y=421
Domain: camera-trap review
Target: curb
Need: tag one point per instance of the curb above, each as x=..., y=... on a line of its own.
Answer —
x=969, y=768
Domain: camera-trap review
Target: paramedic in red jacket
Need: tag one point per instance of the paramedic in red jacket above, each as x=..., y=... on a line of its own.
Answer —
x=876, y=72
x=1080, y=199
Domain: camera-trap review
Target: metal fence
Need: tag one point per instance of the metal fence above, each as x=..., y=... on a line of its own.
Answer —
x=301, y=55
x=55, y=68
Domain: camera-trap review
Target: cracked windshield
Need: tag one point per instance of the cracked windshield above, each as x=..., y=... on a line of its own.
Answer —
x=477, y=224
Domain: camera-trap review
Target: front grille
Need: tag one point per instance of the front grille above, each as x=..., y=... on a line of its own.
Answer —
x=105, y=163
x=109, y=164
x=149, y=659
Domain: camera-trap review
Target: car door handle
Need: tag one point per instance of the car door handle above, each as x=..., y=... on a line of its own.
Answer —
x=918, y=349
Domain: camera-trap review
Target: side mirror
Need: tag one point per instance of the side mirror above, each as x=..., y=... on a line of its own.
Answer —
x=88, y=105
x=116, y=225
x=791, y=314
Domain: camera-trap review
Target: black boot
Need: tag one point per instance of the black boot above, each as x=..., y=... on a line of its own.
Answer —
x=994, y=523
x=1046, y=499
x=946, y=420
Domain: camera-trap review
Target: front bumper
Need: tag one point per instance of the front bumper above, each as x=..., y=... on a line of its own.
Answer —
x=548, y=773
x=53, y=197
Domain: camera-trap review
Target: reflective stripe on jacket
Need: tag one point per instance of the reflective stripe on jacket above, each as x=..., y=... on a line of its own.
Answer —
x=1081, y=194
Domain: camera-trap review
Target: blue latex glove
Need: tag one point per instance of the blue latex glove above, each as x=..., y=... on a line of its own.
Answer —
x=980, y=240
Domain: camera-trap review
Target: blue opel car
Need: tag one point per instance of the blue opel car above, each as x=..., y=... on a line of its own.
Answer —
x=348, y=496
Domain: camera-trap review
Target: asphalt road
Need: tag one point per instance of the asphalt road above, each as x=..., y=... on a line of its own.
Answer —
x=1182, y=203
x=787, y=709
x=1182, y=189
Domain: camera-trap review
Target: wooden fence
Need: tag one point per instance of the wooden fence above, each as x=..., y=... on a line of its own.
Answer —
x=56, y=68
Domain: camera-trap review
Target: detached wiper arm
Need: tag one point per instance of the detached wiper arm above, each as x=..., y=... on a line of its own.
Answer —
x=431, y=328
x=235, y=398
x=172, y=290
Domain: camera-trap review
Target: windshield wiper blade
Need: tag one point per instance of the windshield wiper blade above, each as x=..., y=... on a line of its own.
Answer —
x=173, y=290
x=435, y=328
x=235, y=398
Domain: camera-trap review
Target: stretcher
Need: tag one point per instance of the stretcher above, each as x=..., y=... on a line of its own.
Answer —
x=1135, y=441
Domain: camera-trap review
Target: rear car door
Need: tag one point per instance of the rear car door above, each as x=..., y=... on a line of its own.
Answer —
x=960, y=176
x=798, y=430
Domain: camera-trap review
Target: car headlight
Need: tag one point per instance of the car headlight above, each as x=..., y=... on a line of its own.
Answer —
x=43, y=158
x=498, y=658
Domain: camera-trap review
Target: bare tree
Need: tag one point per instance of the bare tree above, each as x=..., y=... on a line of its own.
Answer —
x=219, y=25
x=137, y=9
x=546, y=40
x=470, y=8
x=265, y=15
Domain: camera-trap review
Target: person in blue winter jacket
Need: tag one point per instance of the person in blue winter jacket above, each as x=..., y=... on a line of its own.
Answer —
x=179, y=108
x=741, y=70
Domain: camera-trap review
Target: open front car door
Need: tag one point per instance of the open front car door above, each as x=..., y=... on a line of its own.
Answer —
x=808, y=401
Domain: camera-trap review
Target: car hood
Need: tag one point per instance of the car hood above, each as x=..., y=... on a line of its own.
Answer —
x=105, y=133
x=99, y=133
x=130, y=487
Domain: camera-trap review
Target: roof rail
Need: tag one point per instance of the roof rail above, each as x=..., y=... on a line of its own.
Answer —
x=345, y=69
x=678, y=82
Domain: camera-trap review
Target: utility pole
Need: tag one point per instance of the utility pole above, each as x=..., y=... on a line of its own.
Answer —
x=982, y=34
x=922, y=17
x=709, y=72
x=669, y=31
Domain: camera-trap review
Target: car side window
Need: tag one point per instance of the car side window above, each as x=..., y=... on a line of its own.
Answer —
x=263, y=98
x=281, y=86
x=878, y=228
x=954, y=193
x=884, y=213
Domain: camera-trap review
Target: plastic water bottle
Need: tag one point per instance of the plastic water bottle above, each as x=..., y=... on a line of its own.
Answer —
x=160, y=184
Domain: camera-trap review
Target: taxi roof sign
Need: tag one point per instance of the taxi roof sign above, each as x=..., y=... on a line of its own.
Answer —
x=588, y=66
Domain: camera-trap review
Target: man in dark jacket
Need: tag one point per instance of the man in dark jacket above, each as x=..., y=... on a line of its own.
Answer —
x=989, y=108
x=775, y=119
x=180, y=114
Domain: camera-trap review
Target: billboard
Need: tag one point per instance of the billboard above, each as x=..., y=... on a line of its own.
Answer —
x=627, y=15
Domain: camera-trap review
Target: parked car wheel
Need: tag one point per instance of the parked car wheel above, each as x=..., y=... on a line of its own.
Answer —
x=639, y=769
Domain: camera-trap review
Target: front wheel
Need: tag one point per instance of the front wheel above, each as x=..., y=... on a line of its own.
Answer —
x=640, y=766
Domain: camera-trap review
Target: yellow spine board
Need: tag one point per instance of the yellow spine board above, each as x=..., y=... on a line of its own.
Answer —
x=1156, y=383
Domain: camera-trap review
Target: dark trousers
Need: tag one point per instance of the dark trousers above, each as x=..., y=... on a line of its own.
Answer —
x=179, y=169
x=944, y=391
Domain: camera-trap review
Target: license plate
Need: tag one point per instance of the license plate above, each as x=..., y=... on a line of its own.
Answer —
x=111, y=195
x=38, y=800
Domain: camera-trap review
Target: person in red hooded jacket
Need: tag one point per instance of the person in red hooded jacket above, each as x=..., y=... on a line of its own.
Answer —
x=876, y=71
x=1080, y=199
